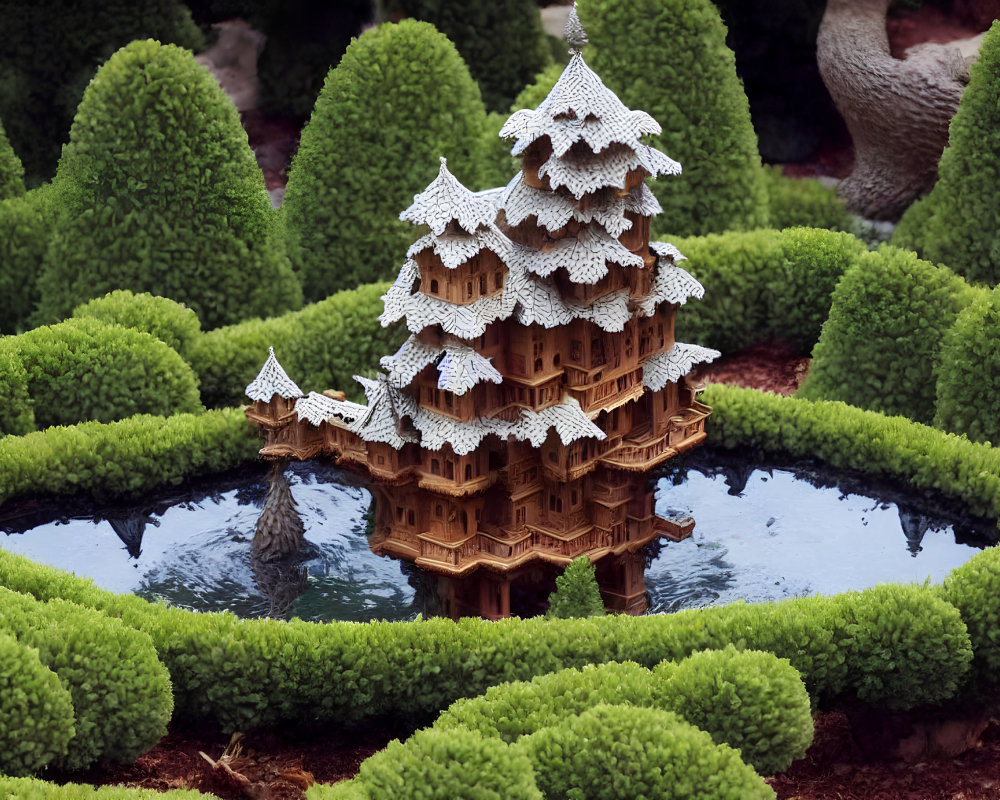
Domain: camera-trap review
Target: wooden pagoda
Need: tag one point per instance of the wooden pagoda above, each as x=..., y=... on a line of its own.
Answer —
x=516, y=427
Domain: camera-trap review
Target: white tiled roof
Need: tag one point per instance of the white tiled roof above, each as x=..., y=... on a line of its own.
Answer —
x=582, y=173
x=579, y=108
x=671, y=284
x=318, y=407
x=455, y=249
x=584, y=257
x=665, y=250
x=670, y=367
x=446, y=199
x=459, y=366
x=383, y=417
x=272, y=380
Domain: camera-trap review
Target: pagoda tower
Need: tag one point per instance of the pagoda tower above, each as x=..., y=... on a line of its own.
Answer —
x=517, y=426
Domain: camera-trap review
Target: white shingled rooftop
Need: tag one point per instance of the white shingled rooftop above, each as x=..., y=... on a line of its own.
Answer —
x=455, y=249
x=272, y=380
x=459, y=366
x=671, y=284
x=584, y=257
x=445, y=200
x=583, y=173
x=669, y=367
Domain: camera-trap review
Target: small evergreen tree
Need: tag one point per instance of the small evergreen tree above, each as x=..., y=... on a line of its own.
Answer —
x=576, y=594
x=958, y=223
x=400, y=98
x=669, y=58
x=502, y=41
x=161, y=193
x=11, y=171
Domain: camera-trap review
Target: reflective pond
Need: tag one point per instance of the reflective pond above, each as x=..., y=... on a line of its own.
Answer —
x=761, y=534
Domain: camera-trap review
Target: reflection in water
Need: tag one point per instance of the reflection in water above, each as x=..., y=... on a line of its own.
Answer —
x=761, y=534
x=279, y=532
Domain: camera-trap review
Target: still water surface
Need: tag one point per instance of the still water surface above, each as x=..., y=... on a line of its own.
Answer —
x=761, y=534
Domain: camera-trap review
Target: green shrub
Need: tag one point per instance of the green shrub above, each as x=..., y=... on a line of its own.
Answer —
x=691, y=88
x=36, y=712
x=126, y=458
x=11, y=171
x=968, y=392
x=26, y=223
x=502, y=42
x=577, y=593
x=400, y=98
x=958, y=222
x=879, y=348
x=321, y=347
x=162, y=193
x=120, y=690
x=846, y=437
x=615, y=751
x=498, y=165
x=441, y=765
x=48, y=53
x=974, y=589
x=171, y=322
x=803, y=202
x=32, y=789
x=512, y=710
x=19, y=415
x=83, y=369
x=751, y=701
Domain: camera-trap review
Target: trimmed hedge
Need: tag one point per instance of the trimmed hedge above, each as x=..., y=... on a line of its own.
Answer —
x=171, y=322
x=36, y=711
x=321, y=347
x=83, y=369
x=11, y=171
x=441, y=765
x=691, y=88
x=974, y=589
x=612, y=752
x=19, y=414
x=764, y=284
x=125, y=458
x=847, y=437
x=256, y=672
x=162, y=193
x=968, y=374
x=26, y=223
x=502, y=41
x=879, y=348
x=119, y=688
x=803, y=202
x=958, y=223
x=32, y=789
x=400, y=98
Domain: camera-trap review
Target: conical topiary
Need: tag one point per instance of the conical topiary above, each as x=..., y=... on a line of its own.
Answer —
x=669, y=57
x=400, y=98
x=577, y=593
x=958, y=223
x=11, y=171
x=161, y=193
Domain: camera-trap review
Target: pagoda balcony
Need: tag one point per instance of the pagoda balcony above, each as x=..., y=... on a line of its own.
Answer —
x=676, y=530
x=639, y=453
x=610, y=392
x=457, y=488
x=611, y=495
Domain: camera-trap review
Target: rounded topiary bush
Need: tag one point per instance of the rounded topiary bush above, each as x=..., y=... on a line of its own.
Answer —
x=749, y=700
x=26, y=224
x=974, y=589
x=19, y=415
x=120, y=690
x=879, y=347
x=512, y=710
x=161, y=193
x=691, y=88
x=968, y=380
x=447, y=765
x=36, y=711
x=501, y=41
x=400, y=98
x=612, y=752
x=958, y=223
x=171, y=322
x=84, y=369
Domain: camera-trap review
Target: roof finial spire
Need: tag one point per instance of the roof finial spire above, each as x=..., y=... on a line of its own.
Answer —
x=573, y=32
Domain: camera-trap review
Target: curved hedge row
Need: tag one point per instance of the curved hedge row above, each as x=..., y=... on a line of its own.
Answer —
x=33, y=789
x=124, y=458
x=84, y=369
x=119, y=688
x=26, y=223
x=896, y=646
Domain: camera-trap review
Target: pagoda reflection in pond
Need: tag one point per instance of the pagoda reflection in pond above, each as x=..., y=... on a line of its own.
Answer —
x=517, y=426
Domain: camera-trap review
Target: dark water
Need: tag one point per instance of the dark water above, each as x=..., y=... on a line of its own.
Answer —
x=761, y=534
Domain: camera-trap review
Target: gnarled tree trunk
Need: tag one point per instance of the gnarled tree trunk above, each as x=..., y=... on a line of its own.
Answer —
x=897, y=110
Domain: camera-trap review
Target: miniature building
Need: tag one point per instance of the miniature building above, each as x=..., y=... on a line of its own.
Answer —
x=516, y=427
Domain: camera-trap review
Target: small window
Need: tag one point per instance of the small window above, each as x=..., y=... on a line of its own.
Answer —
x=468, y=473
x=435, y=466
x=482, y=284
x=410, y=518
x=575, y=496
x=575, y=350
x=497, y=279
x=438, y=511
x=538, y=365
x=553, y=457
x=381, y=461
x=434, y=286
x=468, y=289
x=399, y=513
